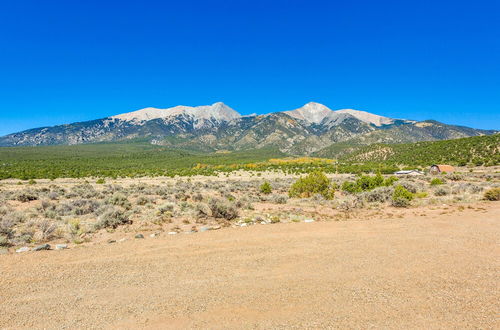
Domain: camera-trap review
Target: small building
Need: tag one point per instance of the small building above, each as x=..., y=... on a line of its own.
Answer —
x=436, y=169
x=409, y=172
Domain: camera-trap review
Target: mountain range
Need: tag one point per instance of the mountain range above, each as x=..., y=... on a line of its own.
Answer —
x=217, y=127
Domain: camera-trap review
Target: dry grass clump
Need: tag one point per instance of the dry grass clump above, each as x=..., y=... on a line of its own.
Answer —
x=78, y=207
x=143, y=200
x=379, y=195
x=441, y=191
x=412, y=187
x=25, y=196
x=223, y=209
x=119, y=199
x=279, y=199
x=454, y=177
x=84, y=190
x=492, y=194
x=112, y=217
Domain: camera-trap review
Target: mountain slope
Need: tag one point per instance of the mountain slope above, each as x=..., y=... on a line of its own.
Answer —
x=477, y=150
x=218, y=127
x=368, y=117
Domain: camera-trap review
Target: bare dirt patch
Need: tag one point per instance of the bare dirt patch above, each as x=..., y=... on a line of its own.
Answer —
x=424, y=271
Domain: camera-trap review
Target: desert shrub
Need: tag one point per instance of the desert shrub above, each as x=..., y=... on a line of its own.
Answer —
x=436, y=181
x=279, y=199
x=441, y=192
x=274, y=219
x=84, y=190
x=265, y=188
x=229, y=197
x=380, y=194
x=47, y=229
x=421, y=194
x=367, y=183
x=390, y=181
x=181, y=195
x=202, y=210
x=75, y=228
x=474, y=188
x=5, y=210
x=352, y=203
x=400, y=202
x=143, y=200
x=163, y=191
x=454, y=177
x=119, y=199
x=26, y=196
x=53, y=195
x=244, y=203
x=401, y=197
x=101, y=181
x=410, y=186
x=166, y=208
x=46, y=205
x=492, y=194
x=85, y=206
x=7, y=227
x=223, y=209
x=198, y=197
x=4, y=241
x=314, y=183
x=112, y=218
x=31, y=182
x=113, y=188
x=78, y=207
x=350, y=187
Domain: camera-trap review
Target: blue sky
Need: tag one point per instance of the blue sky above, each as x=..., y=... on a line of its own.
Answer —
x=66, y=61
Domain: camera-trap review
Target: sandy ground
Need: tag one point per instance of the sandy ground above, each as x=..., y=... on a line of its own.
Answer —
x=418, y=272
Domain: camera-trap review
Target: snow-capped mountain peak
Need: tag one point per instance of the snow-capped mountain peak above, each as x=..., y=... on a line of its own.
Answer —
x=311, y=112
x=367, y=117
x=217, y=111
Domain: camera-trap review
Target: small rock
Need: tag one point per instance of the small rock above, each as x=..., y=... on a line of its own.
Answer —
x=215, y=227
x=23, y=249
x=111, y=241
x=122, y=239
x=204, y=228
x=153, y=235
x=139, y=236
x=42, y=247
x=61, y=246
x=243, y=225
x=172, y=233
x=309, y=220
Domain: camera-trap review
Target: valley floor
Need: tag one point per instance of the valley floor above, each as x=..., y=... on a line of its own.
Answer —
x=432, y=271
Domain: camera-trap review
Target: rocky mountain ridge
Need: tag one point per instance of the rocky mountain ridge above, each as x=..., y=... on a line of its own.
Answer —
x=218, y=127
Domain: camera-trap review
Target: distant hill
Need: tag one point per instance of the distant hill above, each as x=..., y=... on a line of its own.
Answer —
x=210, y=128
x=479, y=150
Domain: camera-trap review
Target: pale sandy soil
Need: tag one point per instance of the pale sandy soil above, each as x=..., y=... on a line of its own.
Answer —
x=426, y=272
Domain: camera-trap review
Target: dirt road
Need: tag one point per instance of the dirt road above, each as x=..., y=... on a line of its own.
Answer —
x=426, y=272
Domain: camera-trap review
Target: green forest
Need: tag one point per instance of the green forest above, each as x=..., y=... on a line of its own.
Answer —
x=472, y=151
x=139, y=158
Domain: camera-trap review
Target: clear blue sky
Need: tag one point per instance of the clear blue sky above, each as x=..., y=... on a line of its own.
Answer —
x=65, y=61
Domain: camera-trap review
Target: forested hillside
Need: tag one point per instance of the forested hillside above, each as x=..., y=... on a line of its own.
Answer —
x=478, y=150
